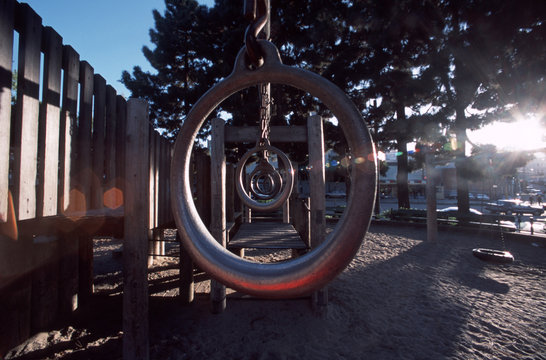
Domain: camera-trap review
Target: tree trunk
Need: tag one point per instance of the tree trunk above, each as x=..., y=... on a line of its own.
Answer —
x=402, y=186
x=463, y=202
x=402, y=175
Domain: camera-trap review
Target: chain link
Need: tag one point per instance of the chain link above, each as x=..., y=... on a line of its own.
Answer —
x=258, y=12
x=265, y=114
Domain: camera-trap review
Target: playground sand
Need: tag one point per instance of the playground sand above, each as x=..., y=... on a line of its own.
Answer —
x=400, y=298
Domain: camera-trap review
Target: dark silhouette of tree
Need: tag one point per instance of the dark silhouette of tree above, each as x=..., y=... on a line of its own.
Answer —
x=480, y=47
x=430, y=65
x=182, y=59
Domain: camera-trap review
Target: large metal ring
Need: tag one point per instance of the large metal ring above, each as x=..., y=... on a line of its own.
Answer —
x=303, y=275
x=278, y=200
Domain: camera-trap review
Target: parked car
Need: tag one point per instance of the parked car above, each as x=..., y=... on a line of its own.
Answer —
x=454, y=210
x=513, y=206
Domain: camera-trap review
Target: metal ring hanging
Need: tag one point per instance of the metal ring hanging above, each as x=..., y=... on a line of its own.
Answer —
x=264, y=171
x=303, y=275
x=279, y=199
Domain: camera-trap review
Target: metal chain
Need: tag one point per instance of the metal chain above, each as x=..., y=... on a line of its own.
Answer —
x=265, y=114
x=258, y=12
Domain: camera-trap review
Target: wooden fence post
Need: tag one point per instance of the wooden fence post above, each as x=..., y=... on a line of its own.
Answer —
x=68, y=245
x=218, y=205
x=7, y=12
x=317, y=195
x=135, y=246
x=84, y=165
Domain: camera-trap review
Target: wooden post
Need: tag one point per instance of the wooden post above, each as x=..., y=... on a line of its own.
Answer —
x=71, y=67
x=111, y=194
x=317, y=195
x=202, y=186
x=48, y=142
x=46, y=266
x=44, y=282
x=432, y=216
x=16, y=250
x=68, y=245
x=25, y=143
x=230, y=193
x=7, y=16
x=218, y=205
x=68, y=276
x=135, y=246
x=151, y=193
x=98, y=138
x=82, y=194
x=186, y=284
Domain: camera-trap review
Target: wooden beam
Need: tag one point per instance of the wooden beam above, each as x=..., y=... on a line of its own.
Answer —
x=249, y=134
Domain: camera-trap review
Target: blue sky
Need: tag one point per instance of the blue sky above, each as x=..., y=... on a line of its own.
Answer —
x=109, y=34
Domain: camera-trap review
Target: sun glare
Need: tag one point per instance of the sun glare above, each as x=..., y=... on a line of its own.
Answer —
x=520, y=135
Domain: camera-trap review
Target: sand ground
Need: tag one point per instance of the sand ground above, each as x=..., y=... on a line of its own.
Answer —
x=400, y=298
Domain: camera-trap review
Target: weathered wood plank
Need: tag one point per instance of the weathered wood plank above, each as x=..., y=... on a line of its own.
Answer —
x=98, y=144
x=45, y=282
x=202, y=186
x=316, y=180
x=164, y=175
x=135, y=248
x=230, y=193
x=68, y=276
x=151, y=180
x=121, y=123
x=7, y=15
x=83, y=164
x=186, y=280
x=26, y=120
x=107, y=222
x=49, y=135
x=83, y=177
x=218, y=205
x=71, y=67
x=317, y=194
x=239, y=134
x=267, y=235
x=152, y=192
x=110, y=192
x=68, y=245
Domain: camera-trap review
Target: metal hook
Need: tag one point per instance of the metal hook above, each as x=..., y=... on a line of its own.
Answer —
x=258, y=11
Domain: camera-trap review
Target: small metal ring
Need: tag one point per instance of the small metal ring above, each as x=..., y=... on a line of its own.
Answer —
x=307, y=273
x=277, y=201
x=272, y=175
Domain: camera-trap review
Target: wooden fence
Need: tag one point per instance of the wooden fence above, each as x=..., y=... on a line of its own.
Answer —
x=76, y=161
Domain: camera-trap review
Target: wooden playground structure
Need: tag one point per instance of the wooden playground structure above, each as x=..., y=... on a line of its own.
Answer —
x=78, y=161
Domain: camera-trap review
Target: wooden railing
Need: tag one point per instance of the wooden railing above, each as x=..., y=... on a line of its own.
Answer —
x=76, y=161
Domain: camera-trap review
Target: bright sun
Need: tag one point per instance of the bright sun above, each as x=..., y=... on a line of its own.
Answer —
x=520, y=135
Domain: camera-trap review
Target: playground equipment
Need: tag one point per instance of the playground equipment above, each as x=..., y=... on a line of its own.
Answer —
x=492, y=255
x=258, y=62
